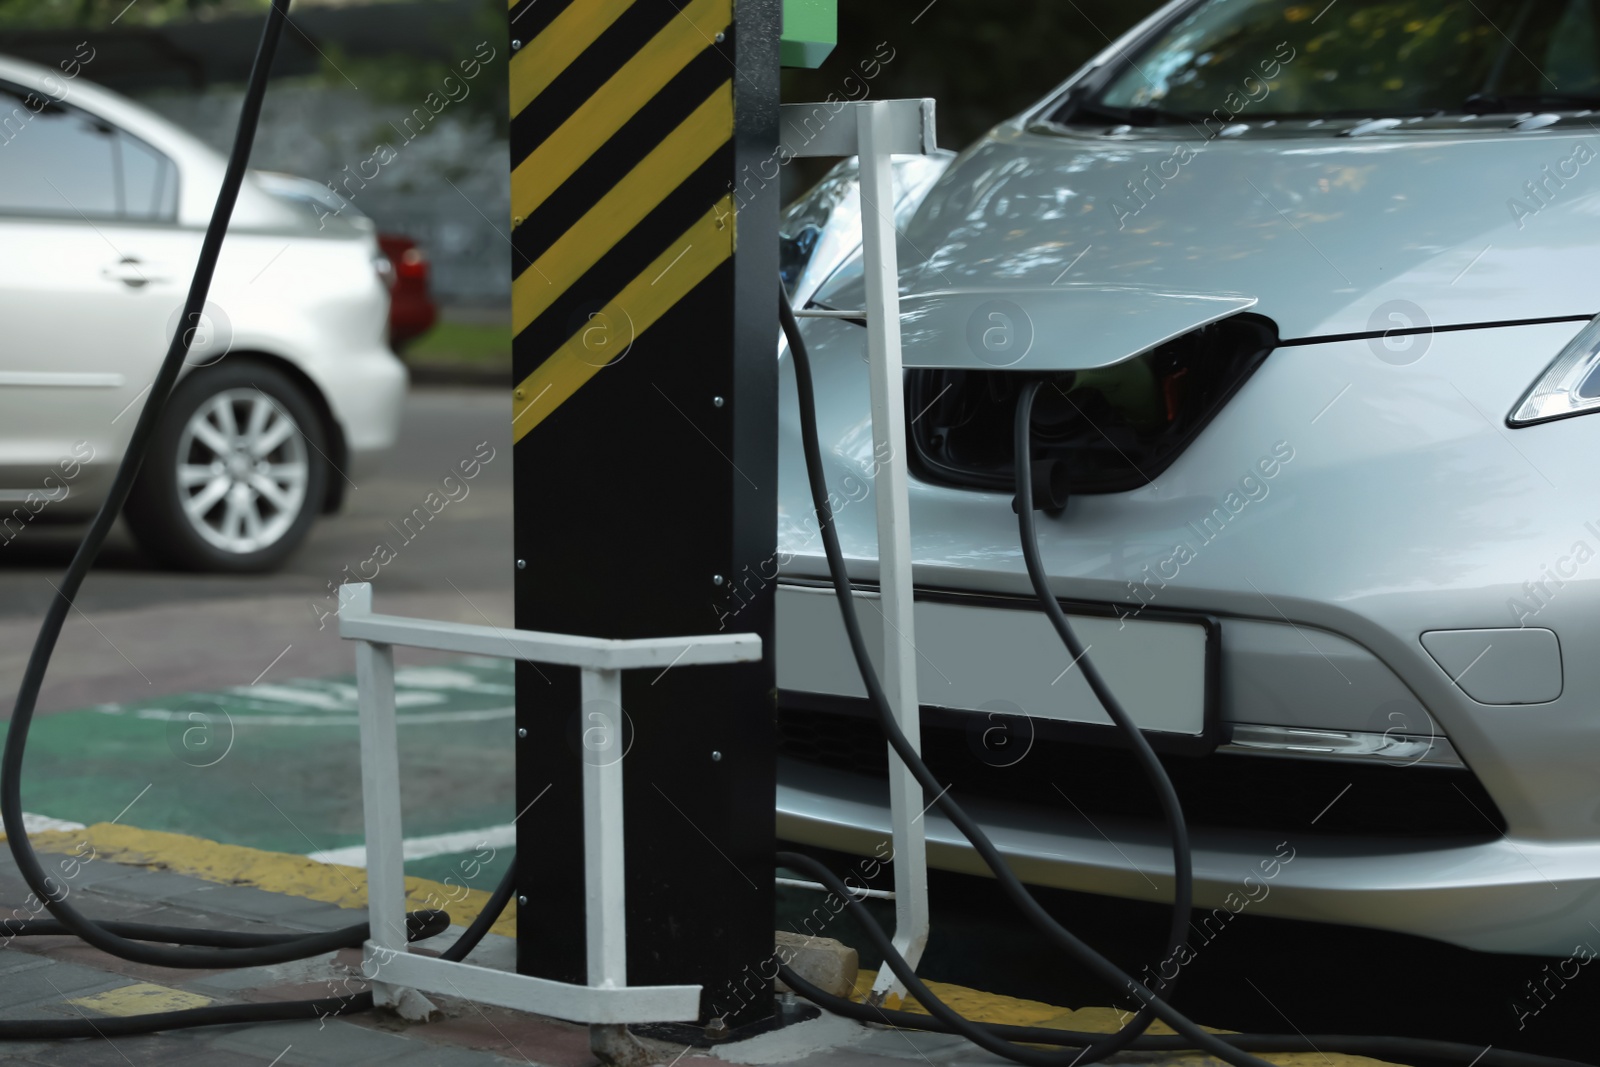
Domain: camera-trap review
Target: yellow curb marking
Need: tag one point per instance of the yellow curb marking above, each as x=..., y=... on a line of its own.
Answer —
x=1014, y=1011
x=275, y=872
x=141, y=998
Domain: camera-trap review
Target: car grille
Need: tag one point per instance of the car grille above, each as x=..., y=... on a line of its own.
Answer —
x=1114, y=428
x=1221, y=790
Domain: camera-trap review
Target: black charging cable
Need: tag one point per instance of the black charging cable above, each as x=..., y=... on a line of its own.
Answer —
x=1231, y=1048
x=1053, y=931
x=167, y=946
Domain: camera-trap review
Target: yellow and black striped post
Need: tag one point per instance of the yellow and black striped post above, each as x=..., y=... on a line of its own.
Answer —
x=644, y=410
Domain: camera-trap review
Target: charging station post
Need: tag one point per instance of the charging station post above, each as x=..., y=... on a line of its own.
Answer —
x=644, y=408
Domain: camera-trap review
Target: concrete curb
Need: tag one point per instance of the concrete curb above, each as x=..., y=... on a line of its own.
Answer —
x=496, y=376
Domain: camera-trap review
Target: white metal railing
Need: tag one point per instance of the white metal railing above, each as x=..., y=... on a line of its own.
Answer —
x=874, y=130
x=607, y=998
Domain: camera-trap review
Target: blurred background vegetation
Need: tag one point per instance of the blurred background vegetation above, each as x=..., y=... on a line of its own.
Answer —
x=982, y=59
x=396, y=51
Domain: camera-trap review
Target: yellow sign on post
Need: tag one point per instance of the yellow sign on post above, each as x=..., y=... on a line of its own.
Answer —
x=635, y=139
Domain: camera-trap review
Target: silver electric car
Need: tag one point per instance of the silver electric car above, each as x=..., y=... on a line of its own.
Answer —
x=1310, y=287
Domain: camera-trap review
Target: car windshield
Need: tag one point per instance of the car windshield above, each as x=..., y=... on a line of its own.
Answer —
x=1242, y=60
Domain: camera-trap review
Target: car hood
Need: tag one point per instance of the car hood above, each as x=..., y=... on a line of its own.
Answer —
x=1331, y=235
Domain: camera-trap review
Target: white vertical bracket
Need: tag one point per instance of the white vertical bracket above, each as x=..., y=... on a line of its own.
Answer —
x=380, y=795
x=605, y=907
x=873, y=130
x=875, y=140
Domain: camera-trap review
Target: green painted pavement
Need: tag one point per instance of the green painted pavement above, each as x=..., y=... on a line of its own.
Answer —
x=277, y=765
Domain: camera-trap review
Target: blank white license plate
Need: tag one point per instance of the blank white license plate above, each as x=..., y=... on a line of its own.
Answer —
x=988, y=657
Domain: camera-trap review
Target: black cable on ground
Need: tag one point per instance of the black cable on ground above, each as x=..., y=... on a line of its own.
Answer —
x=1190, y=1035
x=139, y=942
x=420, y=925
x=215, y=1015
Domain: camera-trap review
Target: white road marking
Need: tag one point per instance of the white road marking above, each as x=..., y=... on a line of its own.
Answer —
x=421, y=848
x=335, y=697
x=426, y=718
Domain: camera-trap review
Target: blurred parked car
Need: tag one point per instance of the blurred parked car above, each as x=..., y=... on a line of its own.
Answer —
x=291, y=391
x=1311, y=293
x=411, y=308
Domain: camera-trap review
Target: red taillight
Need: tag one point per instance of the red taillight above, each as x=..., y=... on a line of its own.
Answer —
x=413, y=265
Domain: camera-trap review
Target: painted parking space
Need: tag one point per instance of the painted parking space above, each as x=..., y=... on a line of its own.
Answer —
x=277, y=766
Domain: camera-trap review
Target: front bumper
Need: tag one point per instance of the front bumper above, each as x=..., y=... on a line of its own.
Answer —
x=1505, y=895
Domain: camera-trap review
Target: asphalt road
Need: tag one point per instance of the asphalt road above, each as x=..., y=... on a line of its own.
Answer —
x=214, y=705
x=142, y=632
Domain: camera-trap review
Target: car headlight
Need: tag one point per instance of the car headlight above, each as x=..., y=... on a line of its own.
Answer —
x=1569, y=386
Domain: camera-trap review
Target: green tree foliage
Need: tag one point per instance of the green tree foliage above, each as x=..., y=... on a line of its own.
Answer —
x=98, y=14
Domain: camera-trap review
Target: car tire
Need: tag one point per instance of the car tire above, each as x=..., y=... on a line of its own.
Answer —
x=235, y=474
